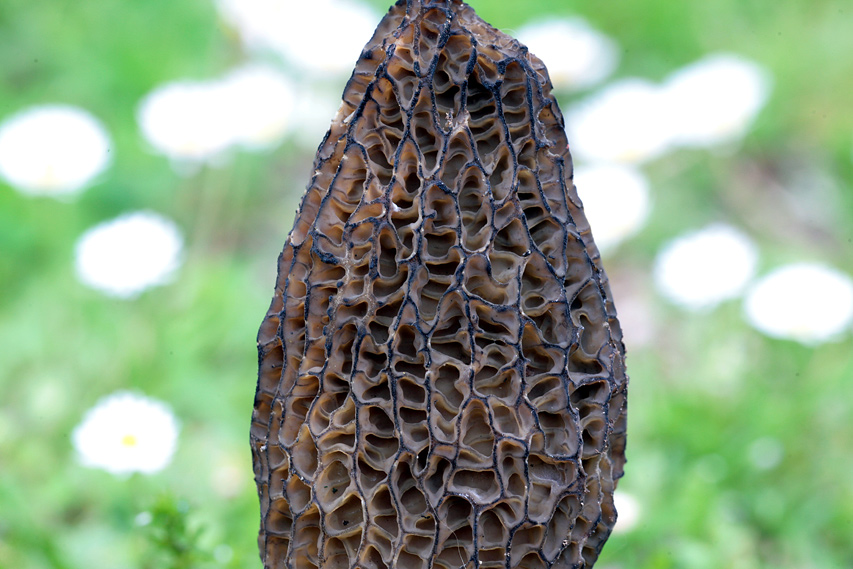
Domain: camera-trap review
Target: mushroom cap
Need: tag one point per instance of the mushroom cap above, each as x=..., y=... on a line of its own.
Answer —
x=441, y=378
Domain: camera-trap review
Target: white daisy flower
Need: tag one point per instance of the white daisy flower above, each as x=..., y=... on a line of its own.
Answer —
x=806, y=302
x=143, y=519
x=315, y=108
x=228, y=477
x=638, y=315
x=125, y=433
x=322, y=36
x=615, y=200
x=223, y=553
x=625, y=122
x=52, y=150
x=577, y=56
x=259, y=102
x=766, y=453
x=199, y=121
x=701, y=269
x=188, y=121
x=716, y=99
x=627, y=511
x=129, y=254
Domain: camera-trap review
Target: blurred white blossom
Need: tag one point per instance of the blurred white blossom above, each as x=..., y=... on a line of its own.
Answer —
x=715, y=99
x=703, y=268
x=187, y=121
x=260, y=101
x=314, y=110
x=627, y=510
x=638, y=315
x=199, y=121
x=807, y=302
x=229, y=476
x=615, y=199
x=125, y=433
x=624, y=122
x=52, y=150
x=129, y=254
x=223, y=553
x=577, y=56
x=143, y=519
x=321, y=36
x=766, y=453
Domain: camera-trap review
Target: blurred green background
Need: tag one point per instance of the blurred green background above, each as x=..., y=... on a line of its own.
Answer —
x=707, y=391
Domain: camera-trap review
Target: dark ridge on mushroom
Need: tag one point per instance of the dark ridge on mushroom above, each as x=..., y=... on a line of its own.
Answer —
x=442, y=378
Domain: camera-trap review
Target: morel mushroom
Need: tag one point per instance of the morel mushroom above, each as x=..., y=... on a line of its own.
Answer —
x=441, y=375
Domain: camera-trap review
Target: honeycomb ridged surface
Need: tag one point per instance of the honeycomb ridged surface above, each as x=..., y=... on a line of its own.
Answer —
x=441, y=377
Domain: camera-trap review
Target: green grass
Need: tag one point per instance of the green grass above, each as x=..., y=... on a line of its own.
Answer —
x=703, y=390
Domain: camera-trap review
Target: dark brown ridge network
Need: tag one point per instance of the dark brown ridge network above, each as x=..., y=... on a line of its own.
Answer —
x=441, y=375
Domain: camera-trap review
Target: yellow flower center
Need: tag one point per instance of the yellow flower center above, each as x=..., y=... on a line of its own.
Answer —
x=129, y=440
